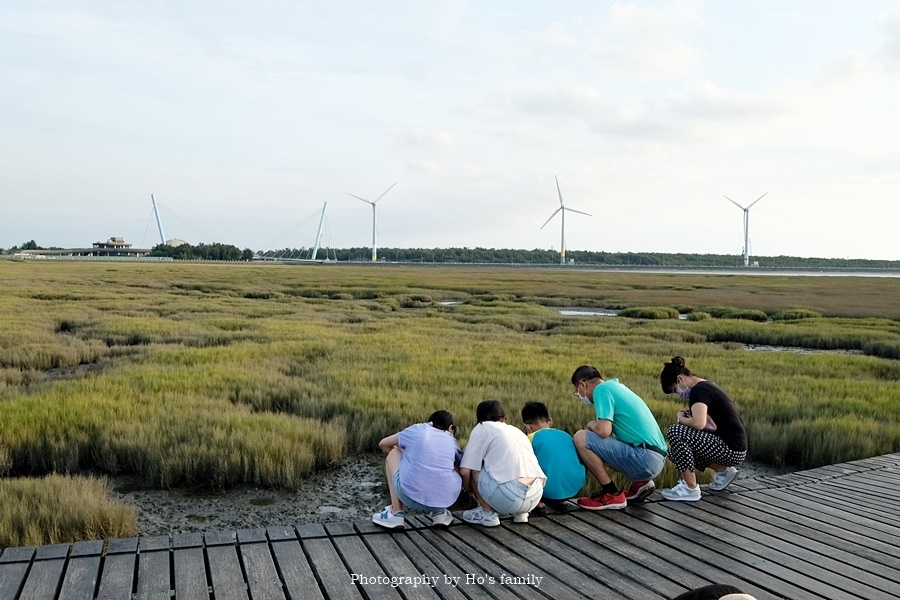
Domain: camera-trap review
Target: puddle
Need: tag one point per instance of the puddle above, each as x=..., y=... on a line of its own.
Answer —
x=587, y=312
x=262, y=501
x=798, y=350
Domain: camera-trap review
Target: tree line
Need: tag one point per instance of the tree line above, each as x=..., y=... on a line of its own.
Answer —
x=229, y=252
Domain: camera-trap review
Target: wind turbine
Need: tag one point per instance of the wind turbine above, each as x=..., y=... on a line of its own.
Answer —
x=162, y=237
x=746, y=226
x=562, y=209
x=373, y=202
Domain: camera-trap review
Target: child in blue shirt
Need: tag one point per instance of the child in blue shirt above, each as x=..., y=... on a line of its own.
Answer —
x=555, y=452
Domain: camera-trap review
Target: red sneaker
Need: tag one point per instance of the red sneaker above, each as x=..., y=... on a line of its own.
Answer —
x=601, y=501
x=639, y=490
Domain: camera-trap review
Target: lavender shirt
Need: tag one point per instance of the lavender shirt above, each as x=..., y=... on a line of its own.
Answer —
x=428, y=465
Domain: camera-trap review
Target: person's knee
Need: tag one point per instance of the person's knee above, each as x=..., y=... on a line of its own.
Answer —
x=580, y=439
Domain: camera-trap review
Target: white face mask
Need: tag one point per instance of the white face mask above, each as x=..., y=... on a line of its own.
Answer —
x=683, y=393
x=586, y=400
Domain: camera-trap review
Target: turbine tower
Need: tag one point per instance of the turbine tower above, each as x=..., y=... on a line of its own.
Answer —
x=746, y=226
x=162, y=238
x=373, y=202
x=562, y=209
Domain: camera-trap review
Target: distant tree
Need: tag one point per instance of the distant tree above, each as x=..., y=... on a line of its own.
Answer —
x=247, y=254
x=32, y=245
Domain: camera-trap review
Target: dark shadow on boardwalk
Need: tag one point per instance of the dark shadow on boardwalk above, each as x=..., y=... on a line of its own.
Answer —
x=829, y=533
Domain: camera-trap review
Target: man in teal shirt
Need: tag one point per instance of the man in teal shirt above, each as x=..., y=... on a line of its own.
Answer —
x=624, y=436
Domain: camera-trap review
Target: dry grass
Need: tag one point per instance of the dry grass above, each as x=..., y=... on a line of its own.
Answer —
x=60, y=509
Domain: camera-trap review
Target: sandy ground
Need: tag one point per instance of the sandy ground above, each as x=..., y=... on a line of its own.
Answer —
x=353, y=491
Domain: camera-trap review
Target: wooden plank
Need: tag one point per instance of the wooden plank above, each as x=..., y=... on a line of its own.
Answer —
x=877, y=511
x=189, y=571
x=281, y=533
x=599, y=555
x=12, y=578
x=20, y=554
x=460, y=563
x=43, y=579
x=225, y=573
x=117, y=578
x=337, y=529
x=834, y=530
x=725, y=544
x=187, y=540
x=220, y=538
x=329, y=568
x=262, y=576
x=776, y=527
x=420, y=549
x=251, y=536
x=492, y=561
x=422, y=562
x=154, y=579
x=360, y=563
x=122, y=546
x=794, y=556
x=564, y=570
x=299, y=580
x=792, y=523
x=695, y=555
x=396, y=564
x=828, y=513
x=311, y=530
x=80, y=580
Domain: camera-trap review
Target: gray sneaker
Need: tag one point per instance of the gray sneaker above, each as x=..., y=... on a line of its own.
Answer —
x=441, y=518
x=479, y=516
x=388, y=519
x=721, y=480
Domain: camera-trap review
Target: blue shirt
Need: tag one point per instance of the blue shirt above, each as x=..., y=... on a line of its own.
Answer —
x=558, y=458
x=632, y=421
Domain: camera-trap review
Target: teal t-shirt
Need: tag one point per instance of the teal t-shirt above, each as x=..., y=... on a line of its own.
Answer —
x=556, y=453
x=632, y=421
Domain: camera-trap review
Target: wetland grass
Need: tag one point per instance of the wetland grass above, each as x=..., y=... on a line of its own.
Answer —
x=260, y=374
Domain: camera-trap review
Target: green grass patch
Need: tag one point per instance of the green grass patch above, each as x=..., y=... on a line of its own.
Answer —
x=650, y=312
x=226, y=375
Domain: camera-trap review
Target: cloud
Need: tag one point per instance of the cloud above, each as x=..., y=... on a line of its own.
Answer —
x=846, y=70
x=424, y=139
x=422, y=165
x=648, y=41
x=890, y=49
x=708, y=101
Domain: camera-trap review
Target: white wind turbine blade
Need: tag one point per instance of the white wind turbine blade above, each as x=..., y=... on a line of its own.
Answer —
x=385, y=192
x=551, y=217
x=755, y=201
x=558, y=191
x=738, y=205
x=358, y=198
x=580, y=212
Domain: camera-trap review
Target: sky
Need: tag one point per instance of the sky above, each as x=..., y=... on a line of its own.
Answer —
x=243, y=118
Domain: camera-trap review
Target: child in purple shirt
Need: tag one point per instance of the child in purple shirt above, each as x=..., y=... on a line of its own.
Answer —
x=421, y=467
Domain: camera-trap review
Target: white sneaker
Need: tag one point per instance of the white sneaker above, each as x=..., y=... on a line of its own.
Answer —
x=441, y=518
x=479, y=516
x=721, y=480
x=388, y=519
x=520, y=518
x=682, y=492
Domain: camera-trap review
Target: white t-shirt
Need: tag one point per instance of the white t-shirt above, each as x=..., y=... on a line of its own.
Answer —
x=502, y=450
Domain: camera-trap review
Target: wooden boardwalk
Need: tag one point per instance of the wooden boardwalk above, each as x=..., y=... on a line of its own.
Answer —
x=831, y=532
